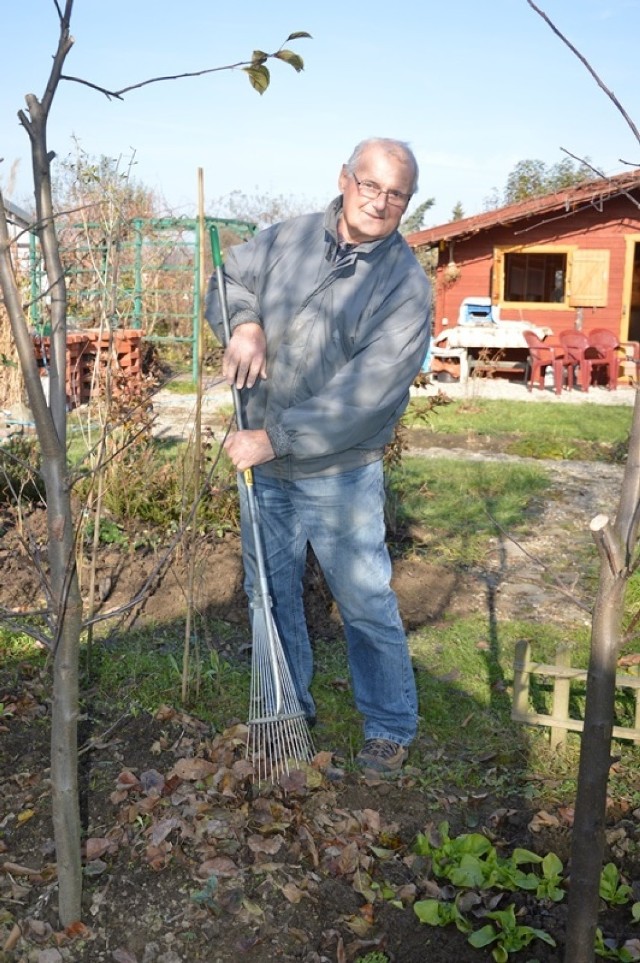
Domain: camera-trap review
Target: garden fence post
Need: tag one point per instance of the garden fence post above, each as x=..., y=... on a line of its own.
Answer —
x=521, y=676
x=561, y=692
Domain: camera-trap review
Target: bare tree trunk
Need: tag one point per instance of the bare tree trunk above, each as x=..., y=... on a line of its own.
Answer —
x=65, y=600
x=616, y=544
x=51, y=427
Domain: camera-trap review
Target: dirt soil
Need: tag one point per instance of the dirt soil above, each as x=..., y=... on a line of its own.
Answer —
x=185, y=859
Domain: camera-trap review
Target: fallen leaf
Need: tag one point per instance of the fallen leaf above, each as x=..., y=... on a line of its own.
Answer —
x=237, y=733
x=124, y=956
x=159, y=830
x=292, y=893
x=358, y=925
x=78, y=931
x=322, y=759
x=218, y=866
x=97, y=846
x=39, y=930
x=348, y=860
x=367, y=912
x=152, y=782
x=193, y=770
x=253, y=909
x=127, y=780
x=50, y=955
x=567, y=814
x=262, y=844
x=309, y=845
x=164, y=713
x=242, y=769
x=542, y=820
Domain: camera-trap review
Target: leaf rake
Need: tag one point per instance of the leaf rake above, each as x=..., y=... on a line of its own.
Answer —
x=279, y=737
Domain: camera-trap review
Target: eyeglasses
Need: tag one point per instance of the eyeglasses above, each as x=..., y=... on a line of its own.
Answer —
x=371, y=191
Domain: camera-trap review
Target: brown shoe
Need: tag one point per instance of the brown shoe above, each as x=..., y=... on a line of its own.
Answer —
x=382, y=757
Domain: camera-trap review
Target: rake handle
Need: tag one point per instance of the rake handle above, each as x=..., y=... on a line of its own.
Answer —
x=263, y=584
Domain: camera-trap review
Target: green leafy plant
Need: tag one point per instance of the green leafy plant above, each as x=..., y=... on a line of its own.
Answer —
x=507, y=934
x=110, y=532
x=609, y=951
x=435, y=912
x=470, y=861
x=207, y=895
x=612, y=890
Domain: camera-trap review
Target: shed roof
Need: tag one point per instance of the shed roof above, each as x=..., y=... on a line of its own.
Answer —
x=569, y=201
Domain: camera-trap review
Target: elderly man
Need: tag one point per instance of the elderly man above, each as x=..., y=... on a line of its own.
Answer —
x=330, y=320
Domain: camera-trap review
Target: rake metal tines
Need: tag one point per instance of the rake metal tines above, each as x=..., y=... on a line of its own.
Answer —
x=279, y=738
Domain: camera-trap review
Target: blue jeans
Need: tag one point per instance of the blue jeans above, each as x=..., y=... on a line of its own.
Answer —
x=342, y=518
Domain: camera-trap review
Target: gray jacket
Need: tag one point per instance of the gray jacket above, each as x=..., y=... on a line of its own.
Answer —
x=345, y=338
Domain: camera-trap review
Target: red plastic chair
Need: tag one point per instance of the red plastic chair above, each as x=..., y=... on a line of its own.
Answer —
x=581, y=354
x=606, y=344
x=542, y=355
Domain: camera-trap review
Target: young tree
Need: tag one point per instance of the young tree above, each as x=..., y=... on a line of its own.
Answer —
x=617, y=545
x=65, y=610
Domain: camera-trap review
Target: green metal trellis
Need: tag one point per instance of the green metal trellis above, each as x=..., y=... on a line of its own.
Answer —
x=157, y=287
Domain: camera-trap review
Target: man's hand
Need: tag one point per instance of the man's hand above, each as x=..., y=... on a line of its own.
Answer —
x=245, y=359
x=249, y=448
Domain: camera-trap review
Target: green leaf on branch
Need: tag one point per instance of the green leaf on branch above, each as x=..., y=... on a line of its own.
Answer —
x=259, y=77
x=292, y=58
x=299, y=35
x=258, y=57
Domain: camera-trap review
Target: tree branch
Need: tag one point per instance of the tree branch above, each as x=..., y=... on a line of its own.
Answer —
x=255, y=66
x=586, y=63
x=581, y=160
x=118, y=94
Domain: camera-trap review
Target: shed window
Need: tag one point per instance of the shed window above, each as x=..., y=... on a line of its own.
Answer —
x=535, y=277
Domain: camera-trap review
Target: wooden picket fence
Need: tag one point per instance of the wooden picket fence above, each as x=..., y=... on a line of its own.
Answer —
x=562, y=675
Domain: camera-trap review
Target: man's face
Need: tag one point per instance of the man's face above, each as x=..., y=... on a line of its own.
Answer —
x=372, y=218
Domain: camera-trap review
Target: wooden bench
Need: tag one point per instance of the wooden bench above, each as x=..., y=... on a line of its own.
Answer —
x=488, y=366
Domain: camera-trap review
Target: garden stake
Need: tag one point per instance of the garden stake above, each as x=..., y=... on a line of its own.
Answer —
x=279, y=737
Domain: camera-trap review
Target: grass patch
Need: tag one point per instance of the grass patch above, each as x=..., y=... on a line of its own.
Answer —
x=541, y=430
x=452, y=508
x=144, y=670
x=183, y=385
x=467, y=739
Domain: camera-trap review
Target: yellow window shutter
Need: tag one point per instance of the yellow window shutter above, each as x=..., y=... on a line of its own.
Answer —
x=497, y=281
x=589, y=279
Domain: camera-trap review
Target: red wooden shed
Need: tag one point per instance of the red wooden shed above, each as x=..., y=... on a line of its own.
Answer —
x=564, y=260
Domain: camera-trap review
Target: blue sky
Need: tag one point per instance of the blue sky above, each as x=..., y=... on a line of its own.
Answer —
x=474, y=87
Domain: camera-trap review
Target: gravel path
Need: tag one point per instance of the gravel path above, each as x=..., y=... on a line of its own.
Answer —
x=522, y=574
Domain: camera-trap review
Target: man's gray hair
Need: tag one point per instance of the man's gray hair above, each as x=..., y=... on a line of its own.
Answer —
x=397, y=148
